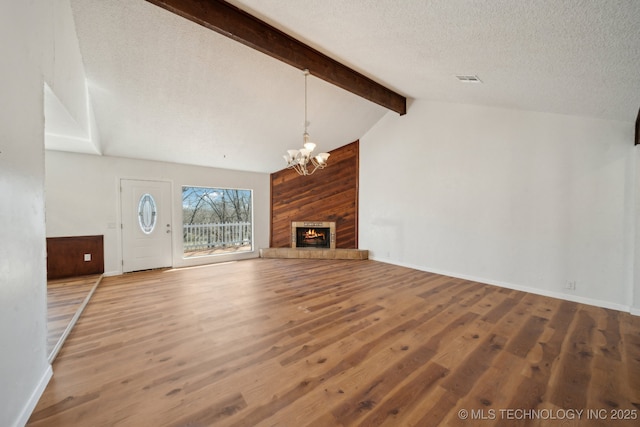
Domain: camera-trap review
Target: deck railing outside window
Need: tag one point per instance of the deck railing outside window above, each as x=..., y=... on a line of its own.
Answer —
x=210, y=236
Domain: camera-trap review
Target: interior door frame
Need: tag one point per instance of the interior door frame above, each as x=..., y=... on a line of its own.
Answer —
x=119, y=234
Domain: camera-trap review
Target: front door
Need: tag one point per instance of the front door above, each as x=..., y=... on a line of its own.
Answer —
x=146, y=224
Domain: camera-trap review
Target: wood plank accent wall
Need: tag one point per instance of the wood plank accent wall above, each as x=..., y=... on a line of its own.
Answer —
x=331, y=194
x=65, y=256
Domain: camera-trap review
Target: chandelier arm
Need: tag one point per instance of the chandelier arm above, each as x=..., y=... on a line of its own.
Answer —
x=318, y=164
x=299, y=169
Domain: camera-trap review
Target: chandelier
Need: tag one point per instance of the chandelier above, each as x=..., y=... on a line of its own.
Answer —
x=302, y=160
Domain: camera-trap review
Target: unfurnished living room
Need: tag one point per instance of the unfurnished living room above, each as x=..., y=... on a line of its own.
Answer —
x=320, y=213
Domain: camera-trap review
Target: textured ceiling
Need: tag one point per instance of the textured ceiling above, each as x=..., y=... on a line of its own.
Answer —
x=164, y=88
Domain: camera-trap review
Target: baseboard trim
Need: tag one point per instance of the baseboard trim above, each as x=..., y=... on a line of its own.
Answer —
x=536, y=291
x=34, y=398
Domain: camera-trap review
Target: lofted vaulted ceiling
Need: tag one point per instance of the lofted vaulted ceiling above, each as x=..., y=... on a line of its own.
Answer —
x=164, y=88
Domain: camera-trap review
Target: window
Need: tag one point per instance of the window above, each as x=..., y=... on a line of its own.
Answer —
x=147, y=213
x=216, y=221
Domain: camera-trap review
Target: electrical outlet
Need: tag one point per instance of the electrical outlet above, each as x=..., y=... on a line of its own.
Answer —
x=87, y=257
x=570, y=285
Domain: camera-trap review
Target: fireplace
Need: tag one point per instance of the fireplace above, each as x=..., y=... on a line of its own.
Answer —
x=313, y=234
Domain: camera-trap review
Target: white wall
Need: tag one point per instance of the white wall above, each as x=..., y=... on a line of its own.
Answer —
x=25, y=32
x=69, y=120
x=520, y=199
x=82, y=198
x=636, y=246
x=64, y=70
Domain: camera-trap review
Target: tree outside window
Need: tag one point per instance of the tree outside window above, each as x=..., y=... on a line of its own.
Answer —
x=216, y=221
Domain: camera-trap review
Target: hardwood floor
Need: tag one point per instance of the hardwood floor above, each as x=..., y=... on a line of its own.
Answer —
x=302, y=342
x=65, y=300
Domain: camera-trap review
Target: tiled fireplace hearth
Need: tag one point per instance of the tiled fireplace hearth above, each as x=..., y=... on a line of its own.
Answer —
x=314, y=253
x=314, y=239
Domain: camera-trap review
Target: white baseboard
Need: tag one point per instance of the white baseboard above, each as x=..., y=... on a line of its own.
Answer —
x=34, y=398
x=537, y=291
x=112, y=273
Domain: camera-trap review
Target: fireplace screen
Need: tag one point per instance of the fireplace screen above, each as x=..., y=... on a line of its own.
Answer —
x=306, y=234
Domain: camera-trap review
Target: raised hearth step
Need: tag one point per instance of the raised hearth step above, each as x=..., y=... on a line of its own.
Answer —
x=359, y=254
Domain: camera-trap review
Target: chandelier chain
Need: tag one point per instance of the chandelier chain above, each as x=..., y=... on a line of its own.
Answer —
x=306, y=122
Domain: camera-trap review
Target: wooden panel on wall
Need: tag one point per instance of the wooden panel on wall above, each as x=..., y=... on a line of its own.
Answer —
x=65, y=256
x=331, y=194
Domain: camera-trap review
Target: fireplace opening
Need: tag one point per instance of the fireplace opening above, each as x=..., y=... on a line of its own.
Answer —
x=312, y=237
x=306, y=234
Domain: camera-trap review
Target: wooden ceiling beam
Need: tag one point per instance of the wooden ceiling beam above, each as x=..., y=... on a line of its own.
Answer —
x=228, y=20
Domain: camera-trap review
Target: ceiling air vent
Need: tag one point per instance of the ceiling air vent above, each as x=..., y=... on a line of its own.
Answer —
x=469, y=79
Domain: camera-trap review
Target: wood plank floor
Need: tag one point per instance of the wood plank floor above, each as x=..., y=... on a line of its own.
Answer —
x=293, y=342
x=64, y=298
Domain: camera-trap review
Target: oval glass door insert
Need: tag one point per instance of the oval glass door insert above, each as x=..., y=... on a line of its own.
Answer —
x=147, y=213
